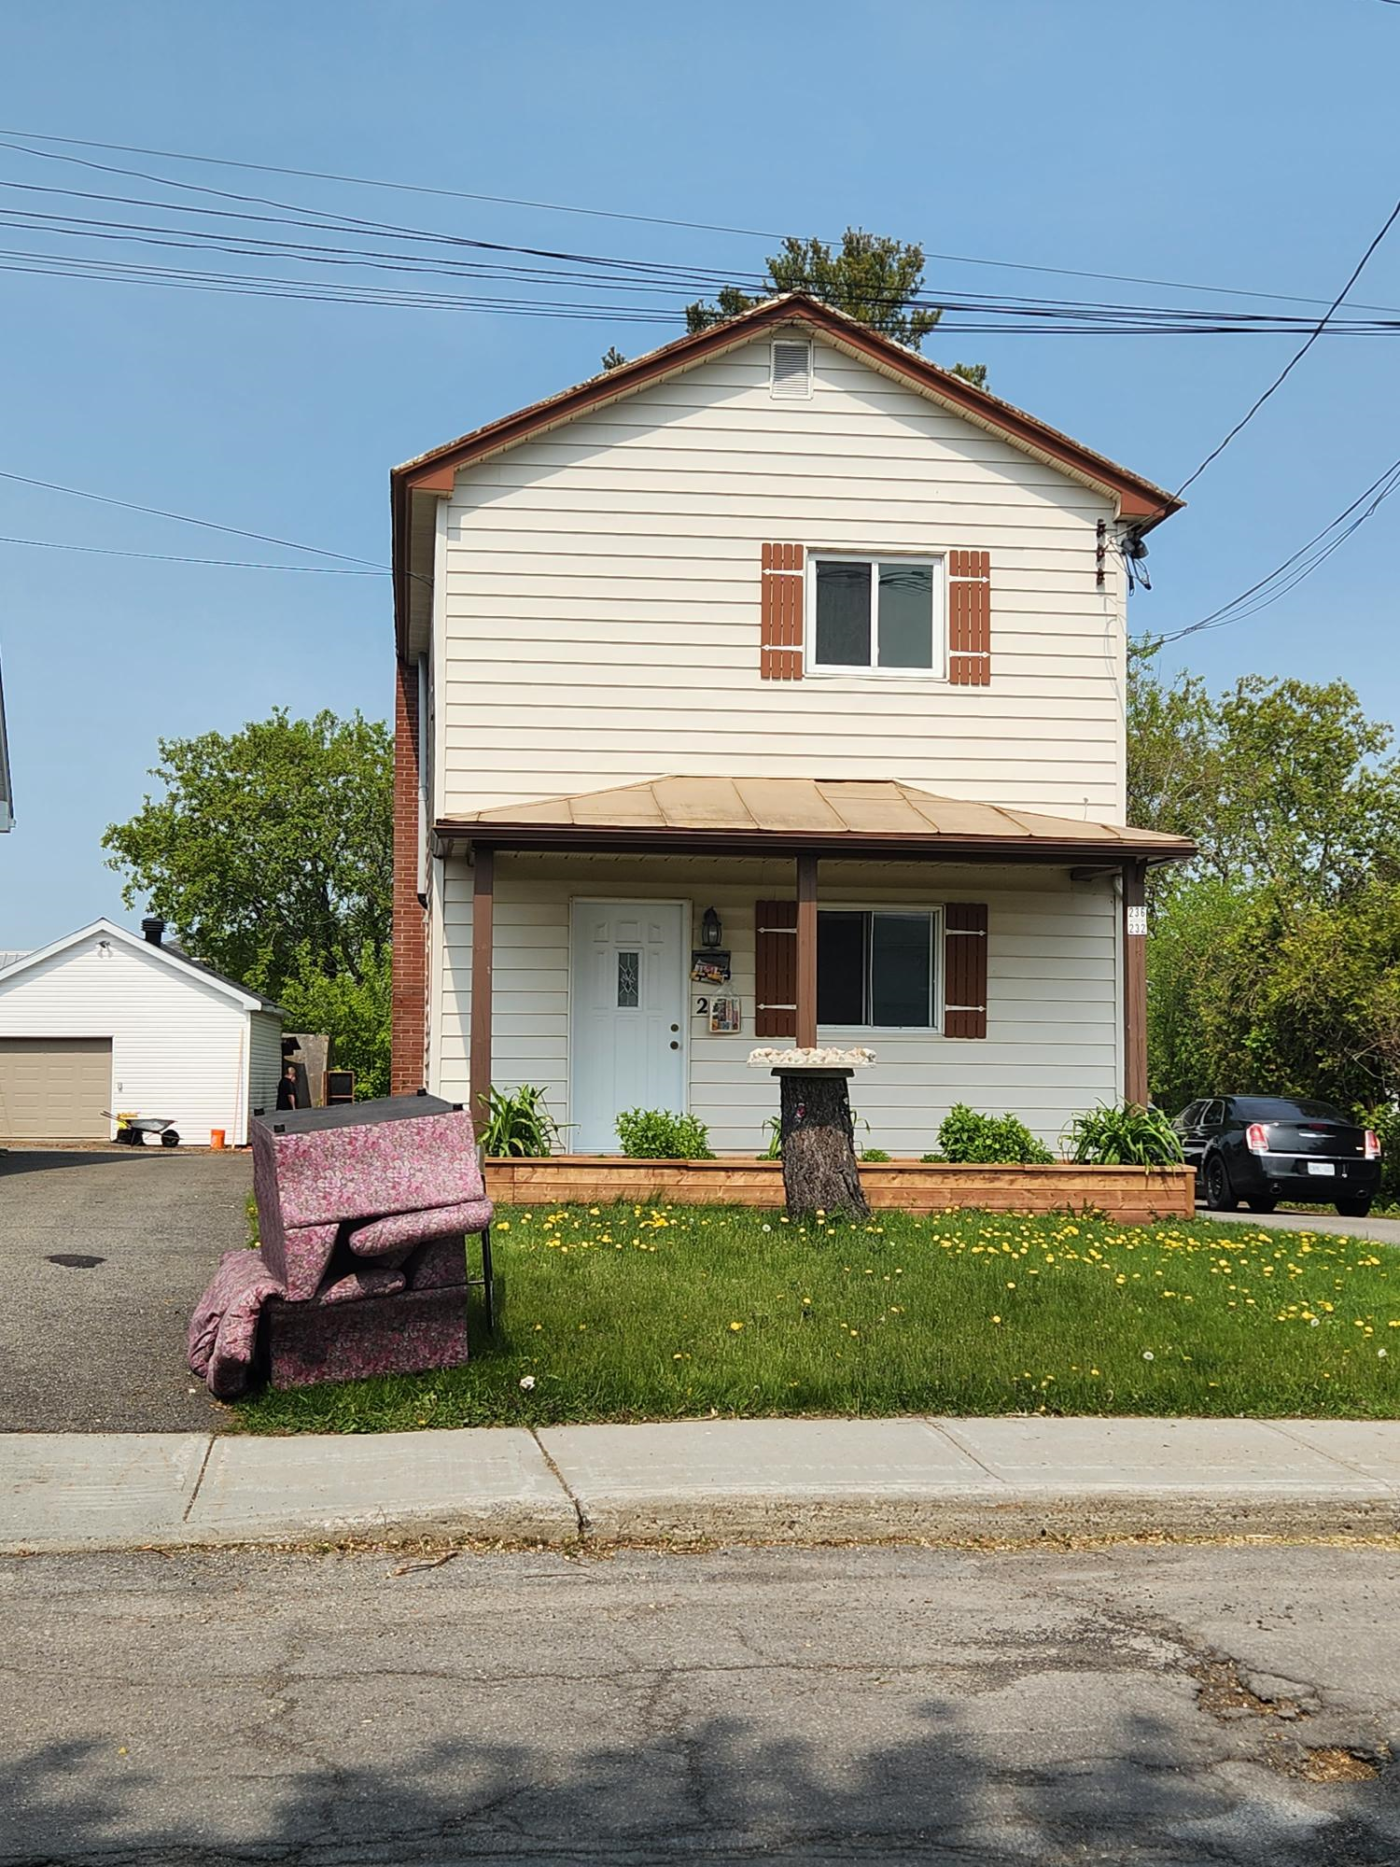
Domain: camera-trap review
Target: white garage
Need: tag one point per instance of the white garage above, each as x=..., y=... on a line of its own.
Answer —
x=107, y=1020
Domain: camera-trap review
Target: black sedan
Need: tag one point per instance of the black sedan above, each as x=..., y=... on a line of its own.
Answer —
x=1266, y=1148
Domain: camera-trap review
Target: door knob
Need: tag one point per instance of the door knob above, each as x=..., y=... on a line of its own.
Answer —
x=675, y=1027
x=674, y=1044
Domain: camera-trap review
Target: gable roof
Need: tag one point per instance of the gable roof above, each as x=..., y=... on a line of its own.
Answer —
x=181, y=962
x=7, y=796
x=836, y=816
x=433, y=472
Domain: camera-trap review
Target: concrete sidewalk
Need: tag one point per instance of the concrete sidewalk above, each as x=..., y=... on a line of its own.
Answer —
x=782, y=1480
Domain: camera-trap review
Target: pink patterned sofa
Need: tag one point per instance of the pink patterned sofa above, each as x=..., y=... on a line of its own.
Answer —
x=363, y=1213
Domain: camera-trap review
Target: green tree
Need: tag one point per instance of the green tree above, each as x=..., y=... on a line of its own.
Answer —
x=1274, y=963
x=1281, y=782
x=270, y=849
x=872, y=277
x=352, y=1008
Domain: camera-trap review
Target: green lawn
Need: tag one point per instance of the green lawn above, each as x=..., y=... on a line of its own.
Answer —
x=632, y=1313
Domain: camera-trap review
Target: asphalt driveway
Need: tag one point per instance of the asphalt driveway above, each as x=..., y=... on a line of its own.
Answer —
x=100, y=1346
x=1323, y=1219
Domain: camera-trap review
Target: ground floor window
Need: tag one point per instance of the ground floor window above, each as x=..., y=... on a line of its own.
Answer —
x=876, y=967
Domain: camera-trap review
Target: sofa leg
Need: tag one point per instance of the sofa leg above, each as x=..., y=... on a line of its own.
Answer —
x=489, y=1287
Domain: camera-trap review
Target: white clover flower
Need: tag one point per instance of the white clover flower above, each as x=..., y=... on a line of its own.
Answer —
x=527, y=1381
x=1147, y=1355
x=1380, y=1354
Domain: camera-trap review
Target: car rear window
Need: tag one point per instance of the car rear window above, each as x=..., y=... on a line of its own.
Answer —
x=1284, y=1108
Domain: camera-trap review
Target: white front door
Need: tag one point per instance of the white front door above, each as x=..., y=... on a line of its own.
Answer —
x=627, y=1016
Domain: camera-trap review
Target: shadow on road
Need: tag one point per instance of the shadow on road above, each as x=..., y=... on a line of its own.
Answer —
x=708, y=1788
x=38, y=1160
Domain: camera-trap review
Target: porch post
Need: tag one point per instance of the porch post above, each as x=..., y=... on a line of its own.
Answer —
x=806, y=953
x=1135, y=982
x=483, y=908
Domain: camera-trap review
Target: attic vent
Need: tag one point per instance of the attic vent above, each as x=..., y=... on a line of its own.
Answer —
x=792, y=371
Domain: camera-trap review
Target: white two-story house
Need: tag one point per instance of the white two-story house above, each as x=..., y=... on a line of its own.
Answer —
x=768, y=690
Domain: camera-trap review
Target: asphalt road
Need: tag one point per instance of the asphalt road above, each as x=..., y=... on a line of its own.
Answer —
x=101, y=1346
x=1165, y=1706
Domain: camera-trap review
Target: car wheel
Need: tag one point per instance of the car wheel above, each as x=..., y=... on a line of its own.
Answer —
x=1354, y=1208
x=1220, y=1195
x=1267, y=1204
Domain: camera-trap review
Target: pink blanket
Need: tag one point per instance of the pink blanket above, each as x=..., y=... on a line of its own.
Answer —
x=224, y=1328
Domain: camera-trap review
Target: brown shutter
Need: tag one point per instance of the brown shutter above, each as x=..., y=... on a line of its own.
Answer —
x=969, y=618
x=965, y=969
x=780, y=653
x=775, y=969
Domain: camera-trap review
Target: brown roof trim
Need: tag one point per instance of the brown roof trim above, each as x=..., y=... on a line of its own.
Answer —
x=433, y=472
x=887, y=845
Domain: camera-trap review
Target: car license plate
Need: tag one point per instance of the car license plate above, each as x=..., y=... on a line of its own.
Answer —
x=1321, y=1166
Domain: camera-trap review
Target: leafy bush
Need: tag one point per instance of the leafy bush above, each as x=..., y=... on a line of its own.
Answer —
x=873, y=1153
x=351, y=1007
x=1386, y=1123
x=518, y=1123
x=1122, y=1135
x=969, y=1139
x=656, y=1134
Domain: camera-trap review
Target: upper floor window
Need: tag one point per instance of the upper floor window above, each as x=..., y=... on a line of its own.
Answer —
x=881, y=615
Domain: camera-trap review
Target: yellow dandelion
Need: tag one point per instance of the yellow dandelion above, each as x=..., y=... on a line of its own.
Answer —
x=736, y=1327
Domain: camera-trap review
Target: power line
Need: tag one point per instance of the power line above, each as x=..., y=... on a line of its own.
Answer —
x=183, y=518
x=656, y=220
x=162, y=557
x=365, y=181
x=1293, y=570
x=1298, y=355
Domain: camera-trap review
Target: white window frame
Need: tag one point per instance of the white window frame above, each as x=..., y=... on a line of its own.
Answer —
x=937, y=945
x=936, y=561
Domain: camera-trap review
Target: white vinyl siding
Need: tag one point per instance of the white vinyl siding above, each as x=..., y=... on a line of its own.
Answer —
x=180, y=1047
x=601, y=593
x=265, y=1060
x=1052, y=1044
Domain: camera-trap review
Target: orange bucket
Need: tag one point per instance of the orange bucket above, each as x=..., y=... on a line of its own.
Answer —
x=216, y=1140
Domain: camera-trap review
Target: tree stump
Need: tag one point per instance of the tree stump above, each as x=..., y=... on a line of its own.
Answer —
x=818, y=1140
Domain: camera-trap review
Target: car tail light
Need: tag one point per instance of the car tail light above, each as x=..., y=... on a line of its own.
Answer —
x=1373, y=1145
x=1256, y=1138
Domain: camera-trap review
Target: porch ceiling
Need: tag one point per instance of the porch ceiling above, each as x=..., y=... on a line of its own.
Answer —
x=766, y=816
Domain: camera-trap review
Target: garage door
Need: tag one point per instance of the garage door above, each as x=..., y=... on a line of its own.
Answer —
x=55, y=1088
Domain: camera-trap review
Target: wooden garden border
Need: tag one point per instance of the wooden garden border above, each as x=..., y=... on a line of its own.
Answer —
x=1132, y=1195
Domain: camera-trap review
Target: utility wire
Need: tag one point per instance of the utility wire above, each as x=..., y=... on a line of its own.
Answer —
x=162, y=557
x=1293, y=570
x=183, y=518
x=1298, y=355
x=554, y=207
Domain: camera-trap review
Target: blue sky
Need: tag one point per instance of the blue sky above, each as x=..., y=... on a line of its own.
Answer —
x=1238, y=143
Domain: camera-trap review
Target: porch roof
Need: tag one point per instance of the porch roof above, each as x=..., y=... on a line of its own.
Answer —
x=836, y=817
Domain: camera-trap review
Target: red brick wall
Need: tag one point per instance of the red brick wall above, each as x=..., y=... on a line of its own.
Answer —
x=409, y=1018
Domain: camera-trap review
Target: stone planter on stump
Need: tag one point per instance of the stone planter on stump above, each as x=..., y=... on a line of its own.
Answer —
x=820, y=1170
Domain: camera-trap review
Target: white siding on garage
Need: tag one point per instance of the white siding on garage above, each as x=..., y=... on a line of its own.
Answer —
x=265, y=1065
x=599, y=619
x=1052, y=1047
x=179, y=1046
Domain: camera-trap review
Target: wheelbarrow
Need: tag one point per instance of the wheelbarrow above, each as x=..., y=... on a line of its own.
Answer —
x=133, y=1129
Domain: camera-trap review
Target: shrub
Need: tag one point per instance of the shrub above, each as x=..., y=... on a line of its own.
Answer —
x=1122, y=1135
x=656, y=1134
x=969, y=1139
x=873, y=1153
x=1386, y=1122
x=518, y=1123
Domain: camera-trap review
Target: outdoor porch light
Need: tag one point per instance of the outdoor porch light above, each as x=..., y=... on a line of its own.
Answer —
x=711, y=933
